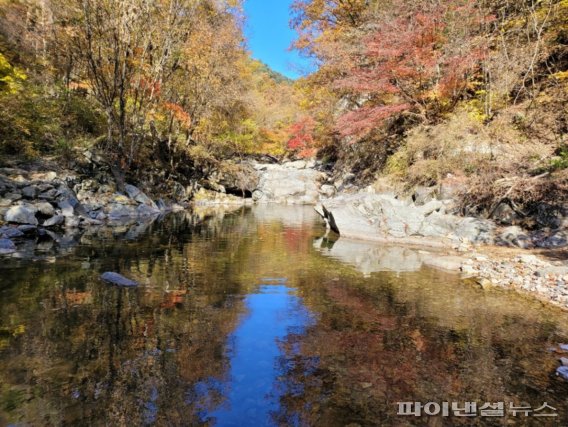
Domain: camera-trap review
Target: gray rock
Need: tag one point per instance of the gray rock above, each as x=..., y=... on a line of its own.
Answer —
x=116, y=210
x=136, y=194
x=476, y=230
x=423, y=195
x=288, y=185
x=7, y=247
x=10, y=232
x=118, y=280
x=72, y=222
x=515, y=236
x=27, y=229
x=45, y=208
x=21, y=214
x=557, y=240
x=504, y=214
x=145, y=210
x=54, y=221
x=48, y=195
x=327, y=190
x=299, y=164
x=67, y=209
x=383, y=217
x=13, y=196
x=44, y=187
x=562, y=371
x=30, y=192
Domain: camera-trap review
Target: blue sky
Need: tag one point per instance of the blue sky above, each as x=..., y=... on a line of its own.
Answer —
x=269, y=36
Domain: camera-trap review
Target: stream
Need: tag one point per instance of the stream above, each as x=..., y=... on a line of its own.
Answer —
x=257, y=317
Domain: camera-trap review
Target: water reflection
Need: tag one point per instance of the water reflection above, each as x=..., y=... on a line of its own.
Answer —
x=248, y=318
x=273, y=313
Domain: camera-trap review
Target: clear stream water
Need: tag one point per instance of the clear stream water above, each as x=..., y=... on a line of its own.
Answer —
x=256, y=318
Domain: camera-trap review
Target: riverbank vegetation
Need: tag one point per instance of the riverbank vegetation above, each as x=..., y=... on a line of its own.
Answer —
x=420, y=92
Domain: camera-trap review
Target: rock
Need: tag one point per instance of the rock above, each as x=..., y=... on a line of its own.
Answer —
x=7, y=247
x=564, y=361
x=505, y=214
x=117, y=210
x=54, y=221
x=132, y=191
x=557, y=240
x=288, y=185
x=5, y=202
x=30, y=192
x=514, y=236
x=21, y=214
x=45, y=208
x=72, y=221
x=562, y=371
x=145, y=210
x=327, y=190
x=10, y=232
x=13, y=196
x=423, y=195
x=484, y=283
x=476, y=230
x=137, y=195
x=67, y=209
x=382, y=217
x=48, y=195
x=27, y=229
x=118, y=280
x=299, y=164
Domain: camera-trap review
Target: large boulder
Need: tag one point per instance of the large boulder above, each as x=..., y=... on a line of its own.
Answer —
x=382, y=217
x=22, y=214
x=139, y=196
x=288, y=184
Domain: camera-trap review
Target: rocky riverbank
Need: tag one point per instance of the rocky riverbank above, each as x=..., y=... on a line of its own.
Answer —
x=478, y=249
x=45, y=207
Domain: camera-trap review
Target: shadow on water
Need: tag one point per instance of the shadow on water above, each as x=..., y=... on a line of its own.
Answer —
x=253, y=318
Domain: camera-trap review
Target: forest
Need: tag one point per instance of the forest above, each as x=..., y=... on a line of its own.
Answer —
x=409, y=92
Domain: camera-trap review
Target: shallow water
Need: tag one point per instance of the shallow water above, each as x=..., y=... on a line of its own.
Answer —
x=256, y=318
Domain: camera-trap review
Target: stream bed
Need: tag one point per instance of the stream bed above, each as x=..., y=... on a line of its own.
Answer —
x=257, y=318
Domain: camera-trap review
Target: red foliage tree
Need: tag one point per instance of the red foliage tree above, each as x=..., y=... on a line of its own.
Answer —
x=302, y=140
x=416, y=60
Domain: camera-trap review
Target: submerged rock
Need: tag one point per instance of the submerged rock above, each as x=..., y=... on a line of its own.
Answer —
x=118, y=280
x=10, y=232
x=7, y=247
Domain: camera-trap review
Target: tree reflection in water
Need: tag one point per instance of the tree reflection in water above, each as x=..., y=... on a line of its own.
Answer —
x=205, y=339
